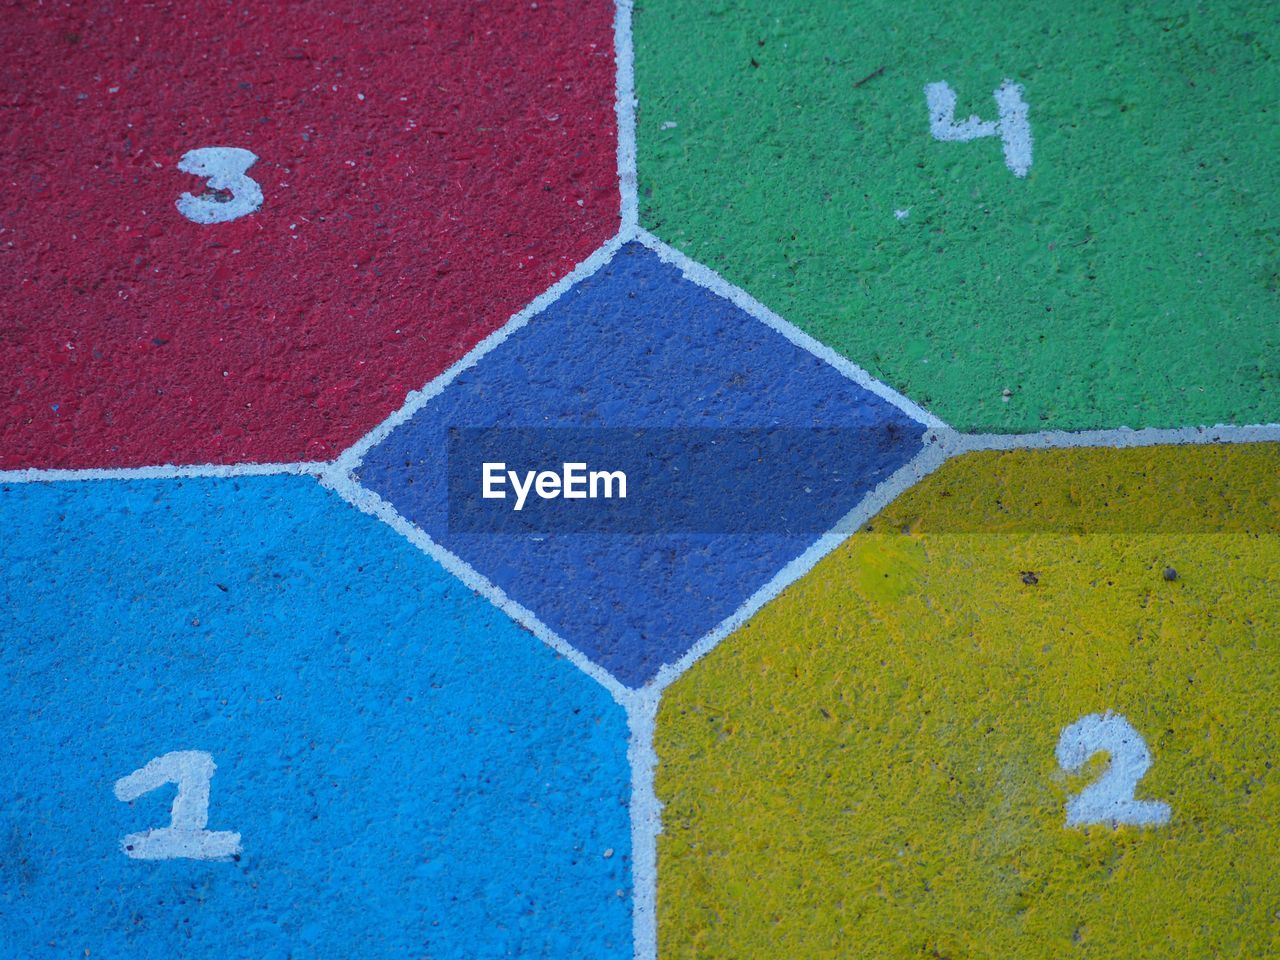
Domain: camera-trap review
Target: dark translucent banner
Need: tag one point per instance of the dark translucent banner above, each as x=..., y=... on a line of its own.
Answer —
x=781, y=480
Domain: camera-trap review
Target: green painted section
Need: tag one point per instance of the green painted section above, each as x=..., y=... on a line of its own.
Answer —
x=1132, y=278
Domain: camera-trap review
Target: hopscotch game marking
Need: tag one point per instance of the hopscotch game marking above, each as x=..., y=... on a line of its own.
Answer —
x=235, y=195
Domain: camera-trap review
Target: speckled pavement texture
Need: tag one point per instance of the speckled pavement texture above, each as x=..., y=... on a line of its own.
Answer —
x=940, y=619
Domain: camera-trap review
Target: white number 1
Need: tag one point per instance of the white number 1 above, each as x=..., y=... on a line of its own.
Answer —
x=1109, y=799
x=1012, y=127
x=186, y=836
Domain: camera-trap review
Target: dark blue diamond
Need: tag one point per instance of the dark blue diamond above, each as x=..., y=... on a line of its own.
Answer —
x=639, y=357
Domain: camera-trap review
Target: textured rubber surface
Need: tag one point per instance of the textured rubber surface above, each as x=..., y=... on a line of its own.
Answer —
x=1131, y=279
x=426, y=172
x=867, y=768
x=411, y=774
x=637, y=345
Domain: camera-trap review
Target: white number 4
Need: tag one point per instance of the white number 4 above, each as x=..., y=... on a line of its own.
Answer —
x=186, y=836
x=1109, y=800
x=1012, y=127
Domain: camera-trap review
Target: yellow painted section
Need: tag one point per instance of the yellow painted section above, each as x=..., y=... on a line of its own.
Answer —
x=867, y=768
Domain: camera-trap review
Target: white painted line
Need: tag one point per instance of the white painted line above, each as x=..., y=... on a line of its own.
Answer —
x=1118, y=438
x=350, y=458
x=344, y=485
x=625, y=106
x=646, y=824
x=166, y=472
x=704, y=276
x=625, y=112
x=934, y=454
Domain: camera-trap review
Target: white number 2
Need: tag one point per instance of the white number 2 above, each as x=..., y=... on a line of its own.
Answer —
x=186, y=836
x=224, y=169
x=1109, y=800
x=1012, y=127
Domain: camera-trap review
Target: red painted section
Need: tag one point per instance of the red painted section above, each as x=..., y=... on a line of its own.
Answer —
x=396, y=231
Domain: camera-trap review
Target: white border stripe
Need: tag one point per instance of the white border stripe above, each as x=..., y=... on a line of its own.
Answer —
x=625, y=106
x=166, y=472
x=344, y=485
x=350, y=458
x=704, y=276
x=1118, y=438
x=646, y=824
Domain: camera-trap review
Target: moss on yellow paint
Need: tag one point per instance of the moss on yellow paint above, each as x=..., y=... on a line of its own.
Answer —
x=867, y=768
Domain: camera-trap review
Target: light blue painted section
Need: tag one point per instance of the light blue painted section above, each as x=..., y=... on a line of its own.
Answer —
x=411, y=774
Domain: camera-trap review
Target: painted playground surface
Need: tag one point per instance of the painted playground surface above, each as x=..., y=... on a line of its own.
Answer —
x=972, y=653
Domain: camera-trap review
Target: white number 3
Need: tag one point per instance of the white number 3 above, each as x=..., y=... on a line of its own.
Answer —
x=1109, y=800
x=230, y=195
x=186, y=836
